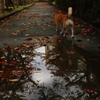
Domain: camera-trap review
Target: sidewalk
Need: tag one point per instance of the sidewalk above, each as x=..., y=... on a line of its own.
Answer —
x=37, y=21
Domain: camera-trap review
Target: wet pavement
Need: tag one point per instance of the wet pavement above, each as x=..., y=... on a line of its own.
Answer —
x=36, y=64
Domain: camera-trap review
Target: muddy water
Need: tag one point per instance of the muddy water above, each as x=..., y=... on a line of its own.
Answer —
x=56, y=70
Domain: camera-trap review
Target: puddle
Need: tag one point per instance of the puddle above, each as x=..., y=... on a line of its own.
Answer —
x=56, y=70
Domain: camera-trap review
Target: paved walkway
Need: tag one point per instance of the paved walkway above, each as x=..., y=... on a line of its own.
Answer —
x=37, y=21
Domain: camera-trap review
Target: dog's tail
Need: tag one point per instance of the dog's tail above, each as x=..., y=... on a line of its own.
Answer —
x=70, y=12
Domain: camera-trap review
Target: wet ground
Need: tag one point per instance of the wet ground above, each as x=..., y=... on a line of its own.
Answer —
x=36, y=64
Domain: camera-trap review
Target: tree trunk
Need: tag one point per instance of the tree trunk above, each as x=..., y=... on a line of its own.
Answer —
x=6, y=3
x=2, y=5
x=24, y=2
x=17, y=3
x=12, y=3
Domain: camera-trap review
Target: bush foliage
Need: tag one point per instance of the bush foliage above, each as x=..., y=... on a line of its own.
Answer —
x=89, y=10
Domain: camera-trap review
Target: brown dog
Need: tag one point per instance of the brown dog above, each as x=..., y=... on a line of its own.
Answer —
x=64, y=20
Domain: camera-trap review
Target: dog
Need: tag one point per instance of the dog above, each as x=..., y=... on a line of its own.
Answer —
x=64, y=20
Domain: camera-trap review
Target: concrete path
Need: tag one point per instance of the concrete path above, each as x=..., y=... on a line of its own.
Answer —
x=37, y=21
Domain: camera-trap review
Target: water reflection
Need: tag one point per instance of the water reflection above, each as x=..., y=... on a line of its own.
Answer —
x=56, y=70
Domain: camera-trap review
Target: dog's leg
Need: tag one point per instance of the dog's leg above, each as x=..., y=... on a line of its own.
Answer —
x=70, y=22
x=62, y=30
x=72, y=30
x=57, y=27
x=64, y=33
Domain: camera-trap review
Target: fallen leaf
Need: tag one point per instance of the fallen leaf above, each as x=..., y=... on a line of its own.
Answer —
x=72, y=52
x=83, y=33
x=66, y=33
x=27, y=34
x=35, y=32
x=51, y=35
x=61, y=37
x=2, y=62
x=7, y=28
x=1, y=71
x=37, y=39
x=81, y=44
x=13, y=80
x=24, y=45
x=46, y=37
x=14, y=33
x=27, y=46
x=89, y=91
x=71, y=48
x=94, y=37
x=38, y=24
x=88, y=40
x=85, y=30
x=1, y=37
x=22, y=30
x=15, y=39
x=76, y=23
x=16, y=48
x=9, y=47
x=6, y=63
x=2, y=57
x=54, y=25
x=29, y=39
x=20, y=72
x=12, y=62
x=44, y=28
x=84, y=36
x=36, y=72
x=91, y=42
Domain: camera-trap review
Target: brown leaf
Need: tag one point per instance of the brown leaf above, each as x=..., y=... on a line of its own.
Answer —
x=22, y=30
x=14, y=33
x=16, y=48
x=13, y=80
x=81, y=44
x=91, y=42
x=7, y=28
x=9, y=47
x=29, y=39
x=37, y=39
x=2, y=62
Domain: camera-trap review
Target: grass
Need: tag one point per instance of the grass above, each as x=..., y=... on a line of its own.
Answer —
x=53, y=3
x=6, y=13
